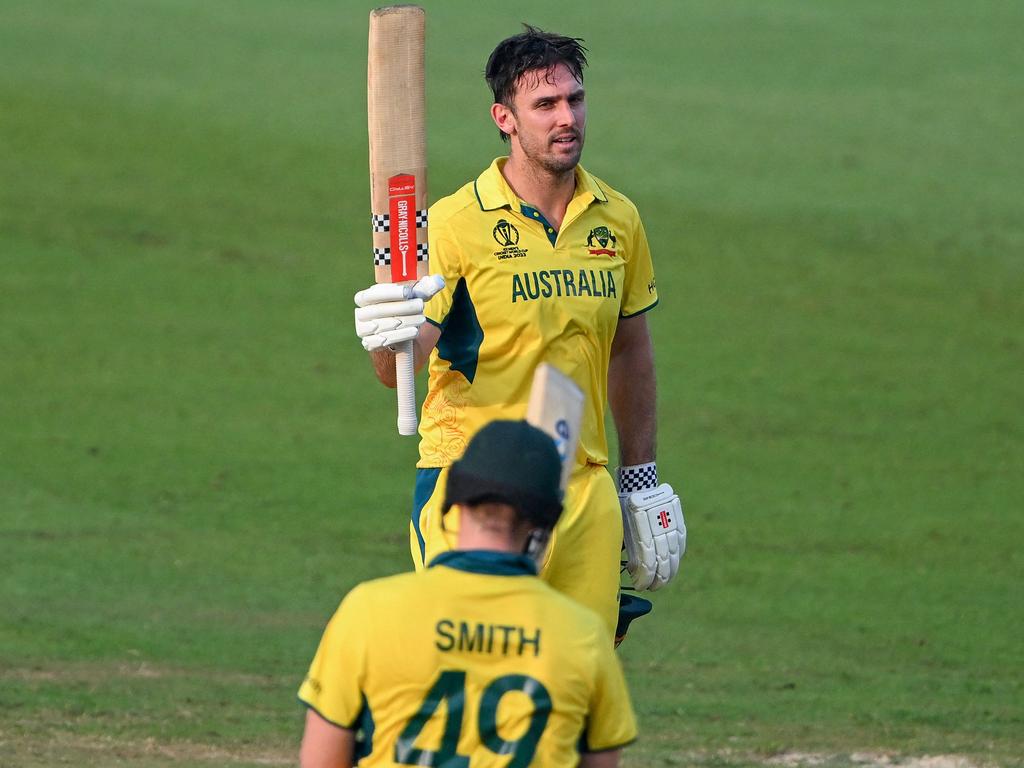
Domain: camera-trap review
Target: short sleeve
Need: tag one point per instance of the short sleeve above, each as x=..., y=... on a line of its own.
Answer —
x=639, y=291
x=445, y=261
x=611, y=723
x=333, y=685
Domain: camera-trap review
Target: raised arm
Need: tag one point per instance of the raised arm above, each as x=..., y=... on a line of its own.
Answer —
x=388, y=314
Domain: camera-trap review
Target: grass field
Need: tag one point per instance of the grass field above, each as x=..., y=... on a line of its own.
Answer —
x=195, y=462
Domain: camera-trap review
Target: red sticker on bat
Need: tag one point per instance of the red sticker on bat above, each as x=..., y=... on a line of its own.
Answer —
x=402, y=205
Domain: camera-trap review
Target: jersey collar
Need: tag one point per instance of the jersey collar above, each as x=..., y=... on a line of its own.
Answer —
x=493, y=192
x=487, y=562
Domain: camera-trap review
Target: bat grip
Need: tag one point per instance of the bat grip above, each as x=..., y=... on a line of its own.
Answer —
x=405, y=374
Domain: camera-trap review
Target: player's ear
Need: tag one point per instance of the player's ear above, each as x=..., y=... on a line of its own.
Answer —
x=504, y=118
x=536, y=546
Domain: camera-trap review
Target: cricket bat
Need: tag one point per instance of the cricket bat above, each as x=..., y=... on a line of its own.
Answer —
x=556, y=406
x=396, y=118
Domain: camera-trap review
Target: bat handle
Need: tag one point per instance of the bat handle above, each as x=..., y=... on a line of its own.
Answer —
x=406, y=377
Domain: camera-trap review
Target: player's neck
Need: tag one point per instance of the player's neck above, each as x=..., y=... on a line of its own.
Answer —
x=548, y=191
x=473, y=534
x=477, y=539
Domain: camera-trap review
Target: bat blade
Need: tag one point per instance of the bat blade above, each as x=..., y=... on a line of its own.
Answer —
x=556, y=406
x=396, y=121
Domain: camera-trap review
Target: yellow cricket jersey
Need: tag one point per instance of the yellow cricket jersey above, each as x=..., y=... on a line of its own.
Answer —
x=518, y=293
x=472, y=662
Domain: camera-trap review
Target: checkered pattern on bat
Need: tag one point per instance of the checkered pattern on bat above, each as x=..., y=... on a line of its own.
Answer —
x=382, y=256
x=381, y=222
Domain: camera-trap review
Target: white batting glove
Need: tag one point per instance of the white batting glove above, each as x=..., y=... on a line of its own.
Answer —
x=654, y=532
x=390, y=313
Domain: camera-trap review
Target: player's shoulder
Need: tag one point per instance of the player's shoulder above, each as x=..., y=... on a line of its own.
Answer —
x=382, y=592
x=447, y=210
x=612, y=194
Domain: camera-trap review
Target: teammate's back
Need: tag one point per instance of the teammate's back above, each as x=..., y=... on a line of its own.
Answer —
x=475, y=657
x=474, y=661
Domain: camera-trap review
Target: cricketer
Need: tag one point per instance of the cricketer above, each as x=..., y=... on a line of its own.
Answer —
x=473, y=660
x=540, y=261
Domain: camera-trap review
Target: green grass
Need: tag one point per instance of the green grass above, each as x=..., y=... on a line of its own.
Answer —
x=195, y=461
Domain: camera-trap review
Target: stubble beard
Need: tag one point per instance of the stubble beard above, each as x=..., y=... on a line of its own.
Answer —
x=540, y=154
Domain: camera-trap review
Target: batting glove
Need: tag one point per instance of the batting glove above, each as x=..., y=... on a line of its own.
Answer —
x=390, y=313
x=654, y=532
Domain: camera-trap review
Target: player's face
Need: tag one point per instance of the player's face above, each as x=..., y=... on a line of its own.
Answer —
x=549, y=118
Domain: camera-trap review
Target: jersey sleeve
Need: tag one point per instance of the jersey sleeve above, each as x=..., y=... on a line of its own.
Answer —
x=333, y=685
x=639, y=292
x=445, y=261
x=611, y=723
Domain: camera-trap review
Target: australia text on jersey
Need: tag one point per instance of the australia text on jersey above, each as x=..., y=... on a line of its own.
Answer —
x=563, y=282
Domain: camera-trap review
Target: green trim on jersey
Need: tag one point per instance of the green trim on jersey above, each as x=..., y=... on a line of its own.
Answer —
x=461, y=334
x=486, y=562
x=532, y=213
x=364, y=739
x=493, y=193
x=426, y=482
x=648, y=308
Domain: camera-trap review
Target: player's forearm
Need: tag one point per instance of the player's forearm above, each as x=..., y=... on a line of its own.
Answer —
x=632, y=392
x=383, y=359
x=608, y=759
x=634, y=412
x=325, y=745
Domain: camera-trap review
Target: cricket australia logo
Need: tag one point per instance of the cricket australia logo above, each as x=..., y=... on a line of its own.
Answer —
x=506, y=235
x=601, y=241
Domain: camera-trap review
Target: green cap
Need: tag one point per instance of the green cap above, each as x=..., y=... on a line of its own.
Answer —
x=510, y=462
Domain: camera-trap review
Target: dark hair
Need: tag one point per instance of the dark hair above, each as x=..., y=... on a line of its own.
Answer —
x=528, y=51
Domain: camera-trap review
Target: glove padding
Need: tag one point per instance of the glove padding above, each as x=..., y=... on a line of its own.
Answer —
x=390, y=313
x=654, y=535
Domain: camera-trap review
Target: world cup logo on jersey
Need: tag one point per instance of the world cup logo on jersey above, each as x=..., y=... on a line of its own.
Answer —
x=505, y=234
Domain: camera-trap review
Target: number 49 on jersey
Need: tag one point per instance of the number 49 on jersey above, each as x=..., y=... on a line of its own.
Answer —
x=450, y=687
